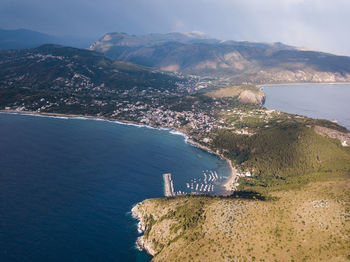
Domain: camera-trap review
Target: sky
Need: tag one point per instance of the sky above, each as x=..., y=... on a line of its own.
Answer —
x=313, y=24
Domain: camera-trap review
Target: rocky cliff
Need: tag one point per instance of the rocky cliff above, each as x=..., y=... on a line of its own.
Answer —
x=250, y=97
x=244, y=94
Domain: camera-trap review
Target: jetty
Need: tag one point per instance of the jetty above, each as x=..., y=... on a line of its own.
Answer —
x=168, y=185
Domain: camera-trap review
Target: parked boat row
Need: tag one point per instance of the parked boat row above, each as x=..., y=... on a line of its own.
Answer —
x=204, y=184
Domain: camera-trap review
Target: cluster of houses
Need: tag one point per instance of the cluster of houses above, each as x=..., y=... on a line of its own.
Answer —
x=168, y=118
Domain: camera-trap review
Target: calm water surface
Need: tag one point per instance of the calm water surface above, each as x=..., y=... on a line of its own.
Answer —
x=325, y=101
x=67, y=185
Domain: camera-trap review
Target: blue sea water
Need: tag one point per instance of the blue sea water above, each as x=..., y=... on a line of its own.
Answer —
x=67, y=185
x=324, y=101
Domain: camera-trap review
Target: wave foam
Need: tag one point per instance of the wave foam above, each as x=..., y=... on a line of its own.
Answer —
x=178, y=133
x=171, y=131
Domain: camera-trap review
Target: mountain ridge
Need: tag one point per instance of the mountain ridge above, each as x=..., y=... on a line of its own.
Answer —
x=56, y=66
x=239, y=62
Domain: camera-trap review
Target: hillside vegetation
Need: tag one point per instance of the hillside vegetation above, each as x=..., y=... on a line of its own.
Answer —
x=293, y=208
x=55, y=67
x=283, y=154
x=308, y=224
x=61, y=79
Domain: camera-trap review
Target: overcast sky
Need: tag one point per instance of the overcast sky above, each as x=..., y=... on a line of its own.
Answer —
x=316, y=24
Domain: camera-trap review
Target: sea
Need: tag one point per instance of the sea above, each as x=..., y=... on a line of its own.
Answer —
x=323, y=101
x=67, y=185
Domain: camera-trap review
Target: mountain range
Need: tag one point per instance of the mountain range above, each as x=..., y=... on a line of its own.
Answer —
x=195, y=53
x=240, y=62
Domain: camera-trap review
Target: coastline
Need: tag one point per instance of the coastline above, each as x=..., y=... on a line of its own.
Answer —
x=229, y=184
x=76, y=116
x=304, y=83
x=141, y=244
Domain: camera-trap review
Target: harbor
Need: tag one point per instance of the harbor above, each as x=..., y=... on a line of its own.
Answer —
x=205, y=184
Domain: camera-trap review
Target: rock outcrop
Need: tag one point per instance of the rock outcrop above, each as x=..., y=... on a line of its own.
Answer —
x=343, y=137
x=250, y=97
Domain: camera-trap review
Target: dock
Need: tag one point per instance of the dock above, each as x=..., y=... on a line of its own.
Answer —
x=168, y=185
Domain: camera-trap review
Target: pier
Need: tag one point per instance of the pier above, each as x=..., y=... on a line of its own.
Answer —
x=168, y=185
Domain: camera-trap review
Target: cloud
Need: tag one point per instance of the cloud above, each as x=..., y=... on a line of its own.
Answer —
x=316, y=24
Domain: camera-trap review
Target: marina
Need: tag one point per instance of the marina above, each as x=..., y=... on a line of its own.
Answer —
x=205, y=184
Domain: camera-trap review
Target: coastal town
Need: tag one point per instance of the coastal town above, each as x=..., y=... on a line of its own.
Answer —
x=183, y=108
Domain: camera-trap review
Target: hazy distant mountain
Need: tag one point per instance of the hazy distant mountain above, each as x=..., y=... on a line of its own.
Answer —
x=23, y=38
x=107, y=43
x=240, y=61
x=116, y=39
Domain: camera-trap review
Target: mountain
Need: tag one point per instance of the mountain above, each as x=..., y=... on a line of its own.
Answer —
x=117, y=39
x=238, y=61
x=58, y=67
x=23, y=38
x=74, y=80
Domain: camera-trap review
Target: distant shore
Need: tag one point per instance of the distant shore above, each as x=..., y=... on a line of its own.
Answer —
x=229, y=184
x=305, y=83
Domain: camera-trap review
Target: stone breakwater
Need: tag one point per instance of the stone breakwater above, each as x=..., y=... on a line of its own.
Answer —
x=168, y=185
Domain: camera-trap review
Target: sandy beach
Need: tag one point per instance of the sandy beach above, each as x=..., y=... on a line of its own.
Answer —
x=229, y=185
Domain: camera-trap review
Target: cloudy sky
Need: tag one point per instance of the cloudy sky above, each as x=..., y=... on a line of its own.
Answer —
x=315, y=24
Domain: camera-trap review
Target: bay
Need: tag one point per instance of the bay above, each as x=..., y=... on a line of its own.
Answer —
x=67, y=185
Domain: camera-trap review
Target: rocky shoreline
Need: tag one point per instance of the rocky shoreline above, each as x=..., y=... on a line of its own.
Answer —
x=141, y=228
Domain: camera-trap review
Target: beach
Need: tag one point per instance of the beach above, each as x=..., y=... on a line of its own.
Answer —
x=229, y=184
